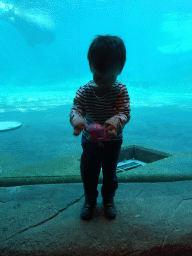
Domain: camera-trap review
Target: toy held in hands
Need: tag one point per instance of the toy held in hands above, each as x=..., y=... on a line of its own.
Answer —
x=98, y=132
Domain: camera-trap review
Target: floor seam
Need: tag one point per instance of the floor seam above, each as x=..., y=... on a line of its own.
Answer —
x=44, y=221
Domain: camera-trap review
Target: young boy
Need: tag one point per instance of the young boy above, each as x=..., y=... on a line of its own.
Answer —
x=103, y=100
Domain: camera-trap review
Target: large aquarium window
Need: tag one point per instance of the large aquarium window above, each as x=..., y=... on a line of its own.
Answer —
x=44, y=46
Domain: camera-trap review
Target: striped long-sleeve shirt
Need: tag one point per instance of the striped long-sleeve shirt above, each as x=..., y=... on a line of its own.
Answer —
x=113, y=107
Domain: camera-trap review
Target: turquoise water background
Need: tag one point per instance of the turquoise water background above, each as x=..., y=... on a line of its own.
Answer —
x=38, y=82
x=158, y=39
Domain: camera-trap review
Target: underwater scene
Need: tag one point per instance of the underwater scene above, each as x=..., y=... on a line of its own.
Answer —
x=44, y=46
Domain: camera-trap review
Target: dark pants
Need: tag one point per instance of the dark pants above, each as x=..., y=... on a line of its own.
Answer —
x=94, y=156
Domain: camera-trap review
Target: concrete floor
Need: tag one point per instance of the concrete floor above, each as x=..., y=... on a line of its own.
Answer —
x=45, y=220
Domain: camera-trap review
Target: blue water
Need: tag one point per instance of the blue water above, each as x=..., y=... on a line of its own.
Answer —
x=44, y=62
x=157, y=35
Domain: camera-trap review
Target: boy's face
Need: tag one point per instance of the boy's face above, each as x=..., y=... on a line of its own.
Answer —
x=105, y=80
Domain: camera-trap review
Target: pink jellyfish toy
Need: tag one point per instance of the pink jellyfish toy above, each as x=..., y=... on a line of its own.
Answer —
x=98, y=132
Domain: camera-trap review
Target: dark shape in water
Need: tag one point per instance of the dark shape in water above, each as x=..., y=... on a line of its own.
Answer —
x=35, y=25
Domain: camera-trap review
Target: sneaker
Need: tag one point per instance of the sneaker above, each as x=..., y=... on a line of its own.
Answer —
x=109, y=208
x=88, y=208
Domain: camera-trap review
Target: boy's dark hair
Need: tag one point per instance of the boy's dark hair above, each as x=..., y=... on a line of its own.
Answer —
x=107, y=52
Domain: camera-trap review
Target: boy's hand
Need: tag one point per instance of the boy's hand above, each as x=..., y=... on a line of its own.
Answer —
x=110, y=129
x=78, y=128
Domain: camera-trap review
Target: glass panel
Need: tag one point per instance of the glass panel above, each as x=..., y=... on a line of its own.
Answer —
x=44, y=46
